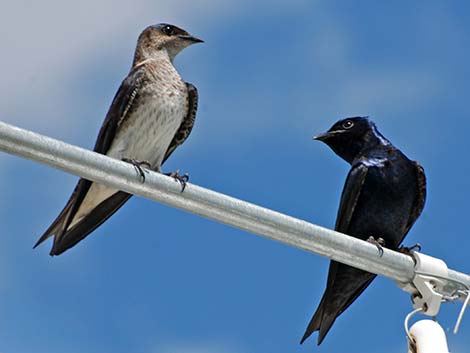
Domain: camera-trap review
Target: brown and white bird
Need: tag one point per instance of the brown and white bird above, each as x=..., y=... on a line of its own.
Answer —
x=152, y=113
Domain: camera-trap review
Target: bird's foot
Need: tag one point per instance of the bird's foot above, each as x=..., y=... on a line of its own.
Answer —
x=379, y=243
x=182, y=179
x=138, y=167
x=407, y=250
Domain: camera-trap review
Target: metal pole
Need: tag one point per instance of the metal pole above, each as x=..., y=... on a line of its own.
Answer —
x=215, y=206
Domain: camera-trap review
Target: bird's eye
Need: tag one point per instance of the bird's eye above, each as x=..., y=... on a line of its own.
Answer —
x=348, y=124
x=168, y=30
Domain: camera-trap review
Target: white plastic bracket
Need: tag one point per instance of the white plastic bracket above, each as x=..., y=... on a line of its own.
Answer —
x=429, y=279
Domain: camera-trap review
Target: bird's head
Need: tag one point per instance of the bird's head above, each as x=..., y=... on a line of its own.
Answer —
x=163, y=38
x=350, y=136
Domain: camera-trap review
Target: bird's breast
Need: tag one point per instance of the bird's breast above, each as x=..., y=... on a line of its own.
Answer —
x=146, y=133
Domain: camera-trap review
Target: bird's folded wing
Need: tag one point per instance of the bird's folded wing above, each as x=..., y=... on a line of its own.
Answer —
x=351, y=191
x=123, y=102
x=187, y=124
x=420, y=198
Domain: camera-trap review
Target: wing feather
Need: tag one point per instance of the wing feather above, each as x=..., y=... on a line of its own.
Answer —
x=123, y=102
x=187, y=124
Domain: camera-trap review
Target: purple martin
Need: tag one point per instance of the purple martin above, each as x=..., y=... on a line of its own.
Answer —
x=152, y=113
x=383, y=196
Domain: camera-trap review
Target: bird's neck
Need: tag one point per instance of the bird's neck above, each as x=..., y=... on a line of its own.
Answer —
x=374, y=151
x=371, y=146
x=141, y=57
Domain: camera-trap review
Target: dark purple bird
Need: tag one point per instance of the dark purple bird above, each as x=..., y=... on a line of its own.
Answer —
x=383, y=196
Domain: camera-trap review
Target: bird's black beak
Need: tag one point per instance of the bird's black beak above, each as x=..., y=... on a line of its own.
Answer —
x=322, y=137
x=326, y=135
x=191, y=38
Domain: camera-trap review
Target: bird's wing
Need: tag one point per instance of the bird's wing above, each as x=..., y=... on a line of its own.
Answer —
x=65, y=238
x=420, y=198
x=344, y=283
x=123, y=103
x=187, y=123
x=350, y=195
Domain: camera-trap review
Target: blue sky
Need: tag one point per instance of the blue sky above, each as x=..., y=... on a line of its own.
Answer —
x=270, y=75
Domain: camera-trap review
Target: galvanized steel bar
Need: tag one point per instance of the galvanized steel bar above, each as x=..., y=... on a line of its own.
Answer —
x=210, y=204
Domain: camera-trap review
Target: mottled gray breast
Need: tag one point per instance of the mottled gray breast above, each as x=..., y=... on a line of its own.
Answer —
x=159, y=108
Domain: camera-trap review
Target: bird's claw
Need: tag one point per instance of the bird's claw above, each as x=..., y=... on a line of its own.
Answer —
x=182, y=179
x=379, y=243
x=407, y=250
x=138, y=166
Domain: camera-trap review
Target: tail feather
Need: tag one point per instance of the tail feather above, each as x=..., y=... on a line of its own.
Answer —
x=345, y=284
x=63, y=220
x=56, y=226
x=65, y=235
x=69, y=238
x=315, y=322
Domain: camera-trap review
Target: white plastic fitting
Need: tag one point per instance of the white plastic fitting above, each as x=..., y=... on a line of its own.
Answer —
x=428, y=284
x=429, y=337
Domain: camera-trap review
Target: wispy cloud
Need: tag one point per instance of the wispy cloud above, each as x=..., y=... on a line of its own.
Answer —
x=52, y=48
x=46, y=44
